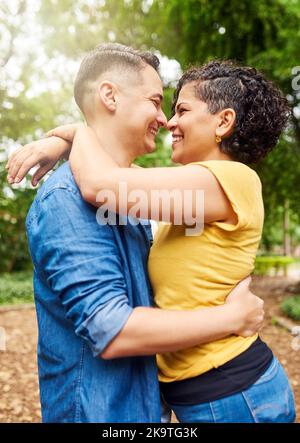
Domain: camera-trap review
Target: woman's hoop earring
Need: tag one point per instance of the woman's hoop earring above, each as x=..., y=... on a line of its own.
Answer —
x=218, y=139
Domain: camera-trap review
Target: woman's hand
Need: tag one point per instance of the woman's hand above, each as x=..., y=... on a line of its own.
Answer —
x=248, y=307
x=44, y=153
x=67, y=132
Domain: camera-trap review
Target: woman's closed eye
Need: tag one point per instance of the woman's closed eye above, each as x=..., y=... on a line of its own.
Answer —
x=181, y=111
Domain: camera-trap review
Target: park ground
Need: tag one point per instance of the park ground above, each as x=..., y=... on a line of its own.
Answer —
x=19, y=395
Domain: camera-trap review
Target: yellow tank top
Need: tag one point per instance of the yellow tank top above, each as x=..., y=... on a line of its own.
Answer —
x=194, y=272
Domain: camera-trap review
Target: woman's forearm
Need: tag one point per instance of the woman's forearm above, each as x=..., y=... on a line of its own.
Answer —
x=94, y=170
x=90, y=164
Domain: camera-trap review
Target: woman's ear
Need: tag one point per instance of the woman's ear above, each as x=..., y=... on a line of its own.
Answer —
x=107, y=92
x=226, y=123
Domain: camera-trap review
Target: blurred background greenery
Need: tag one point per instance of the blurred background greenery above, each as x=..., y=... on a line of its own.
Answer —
x=42, y=43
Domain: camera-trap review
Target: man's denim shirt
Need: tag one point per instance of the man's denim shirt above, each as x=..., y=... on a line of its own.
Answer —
x=87, y=280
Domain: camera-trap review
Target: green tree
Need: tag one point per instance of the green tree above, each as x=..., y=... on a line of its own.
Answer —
x=41, y=44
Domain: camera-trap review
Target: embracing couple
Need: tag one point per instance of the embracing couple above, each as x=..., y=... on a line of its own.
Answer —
x=100, y=324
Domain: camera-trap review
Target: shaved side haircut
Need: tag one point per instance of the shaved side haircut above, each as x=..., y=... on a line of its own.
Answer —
x=115, y=58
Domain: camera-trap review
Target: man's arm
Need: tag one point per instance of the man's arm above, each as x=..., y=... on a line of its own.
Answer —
x=82, y=265
x=166, y=331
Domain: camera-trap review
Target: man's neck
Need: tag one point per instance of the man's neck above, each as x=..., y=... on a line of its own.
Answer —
x=112, y=144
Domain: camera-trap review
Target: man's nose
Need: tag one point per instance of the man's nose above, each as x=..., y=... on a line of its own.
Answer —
x=162, y=119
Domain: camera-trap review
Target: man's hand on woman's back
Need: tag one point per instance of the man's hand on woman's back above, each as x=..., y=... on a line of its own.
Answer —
x=249, y=309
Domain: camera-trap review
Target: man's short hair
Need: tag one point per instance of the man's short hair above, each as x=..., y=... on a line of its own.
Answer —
x=109, y=57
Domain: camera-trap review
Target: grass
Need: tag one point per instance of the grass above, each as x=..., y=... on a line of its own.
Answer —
x=16, y=288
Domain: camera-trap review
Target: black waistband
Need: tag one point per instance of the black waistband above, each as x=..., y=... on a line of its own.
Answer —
x=234, y=376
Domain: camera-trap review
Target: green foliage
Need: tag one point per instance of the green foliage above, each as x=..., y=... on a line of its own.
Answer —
x=291, y=307
x=262, y=33
x=263, y=265
x=14, y=205
x=16, y=288
x=273, y=228
x=280, y=176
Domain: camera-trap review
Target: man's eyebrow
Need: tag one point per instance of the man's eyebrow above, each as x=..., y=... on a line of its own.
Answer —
x=157, y=95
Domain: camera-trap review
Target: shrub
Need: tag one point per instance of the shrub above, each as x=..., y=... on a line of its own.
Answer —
x=16, y=287
x=263, y=265
x=291, y=307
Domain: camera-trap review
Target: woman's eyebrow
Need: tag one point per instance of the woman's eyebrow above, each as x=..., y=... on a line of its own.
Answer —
x=179, y=104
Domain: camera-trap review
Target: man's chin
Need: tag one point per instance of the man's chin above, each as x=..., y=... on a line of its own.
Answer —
x=150, y=148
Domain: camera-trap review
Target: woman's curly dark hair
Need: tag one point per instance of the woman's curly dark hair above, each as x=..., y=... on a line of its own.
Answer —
x=261, y=109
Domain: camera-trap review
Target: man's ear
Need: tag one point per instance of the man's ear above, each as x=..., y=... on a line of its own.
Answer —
x=107, y=93
x=226, y=122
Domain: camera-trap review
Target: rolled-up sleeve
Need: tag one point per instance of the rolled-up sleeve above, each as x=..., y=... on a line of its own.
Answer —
x=81, y=264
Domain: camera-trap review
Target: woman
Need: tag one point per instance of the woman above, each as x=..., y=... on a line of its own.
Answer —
x=225, y=117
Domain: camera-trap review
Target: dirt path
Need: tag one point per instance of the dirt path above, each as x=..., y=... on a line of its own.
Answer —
x=19, y=396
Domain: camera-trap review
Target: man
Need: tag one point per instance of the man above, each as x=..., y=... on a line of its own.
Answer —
x=93, y=297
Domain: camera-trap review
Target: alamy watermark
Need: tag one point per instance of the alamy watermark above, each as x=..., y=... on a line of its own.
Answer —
x=296, y=79
x=176, y=206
